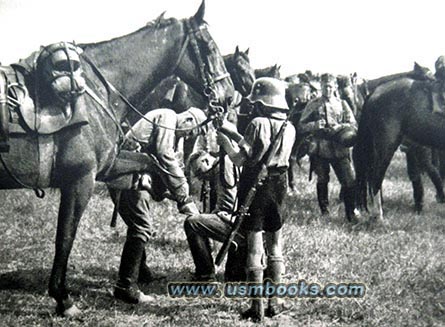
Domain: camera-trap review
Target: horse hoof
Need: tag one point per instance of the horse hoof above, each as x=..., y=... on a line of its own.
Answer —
x=72, y=311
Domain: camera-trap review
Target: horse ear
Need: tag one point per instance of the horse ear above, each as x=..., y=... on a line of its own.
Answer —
x=236, y=51
x=199, y=16
x=159, y=19
x=247, y=51
x=417, y=66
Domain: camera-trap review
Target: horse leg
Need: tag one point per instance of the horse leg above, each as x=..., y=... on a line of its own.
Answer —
x=433, y=174
x=74, y=199
x=386, y=142
x=414, y=174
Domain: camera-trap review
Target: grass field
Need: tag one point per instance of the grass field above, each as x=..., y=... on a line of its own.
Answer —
x=402, y=263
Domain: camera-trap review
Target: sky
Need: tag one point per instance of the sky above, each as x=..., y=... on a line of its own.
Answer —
x=373, y=37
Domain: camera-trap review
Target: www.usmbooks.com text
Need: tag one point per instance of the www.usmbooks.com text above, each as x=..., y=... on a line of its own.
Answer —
x=300, y=289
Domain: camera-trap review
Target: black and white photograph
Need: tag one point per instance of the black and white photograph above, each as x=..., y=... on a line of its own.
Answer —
x=222, y=163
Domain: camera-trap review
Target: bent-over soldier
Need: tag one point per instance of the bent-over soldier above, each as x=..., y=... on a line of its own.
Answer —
x=157, y=134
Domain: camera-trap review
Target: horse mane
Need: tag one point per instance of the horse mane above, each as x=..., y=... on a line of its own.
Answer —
x=159, y=22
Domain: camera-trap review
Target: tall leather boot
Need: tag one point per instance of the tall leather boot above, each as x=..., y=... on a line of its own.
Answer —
x=4, y=115
x=256, y=310
x=126, y=288
x=418, y=195
x=145, y=275
x=274, y=271
x=349, y=201
x=202, y=256
x=323, y=198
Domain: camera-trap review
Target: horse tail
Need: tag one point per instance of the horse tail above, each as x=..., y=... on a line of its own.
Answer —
x=364, y=155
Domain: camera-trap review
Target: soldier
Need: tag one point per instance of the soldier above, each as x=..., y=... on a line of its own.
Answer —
x=332, y=127
x=157, y=134
x=265, y=213
x=439, y=86
x=218, y=224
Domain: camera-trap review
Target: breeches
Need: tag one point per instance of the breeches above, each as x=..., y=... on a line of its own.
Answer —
x=342, y=168
x=211, y=226
x=134, y=210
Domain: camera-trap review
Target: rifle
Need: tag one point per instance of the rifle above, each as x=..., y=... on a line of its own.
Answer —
x=244, y=208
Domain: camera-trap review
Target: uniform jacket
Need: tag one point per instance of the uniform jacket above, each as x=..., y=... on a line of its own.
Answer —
x=333, y=112
x=258, y=137
x=157, y=136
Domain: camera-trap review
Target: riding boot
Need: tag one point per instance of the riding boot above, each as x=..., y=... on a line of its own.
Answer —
x=274, y=271
x=323, y=199
x=126, y=288
x=349, y=201
x=202, y=257
x=236, y=261
x=4, y=116
x=418, y=195
x=256, y=310
x=145, y=275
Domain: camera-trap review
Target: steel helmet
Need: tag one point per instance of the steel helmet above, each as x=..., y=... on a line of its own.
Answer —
x=269, y=91
x=440, y=63
x=346, y=136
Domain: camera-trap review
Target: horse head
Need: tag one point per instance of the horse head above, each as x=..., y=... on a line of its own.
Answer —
x=200, y=56
x=298, y=95
x=242, y=74
x=272, y=71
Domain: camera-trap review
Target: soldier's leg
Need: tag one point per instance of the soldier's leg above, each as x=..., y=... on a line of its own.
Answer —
x=321, y=169
x=134, y=210
x=254, y=271
x=345, y=174
x=275, y=268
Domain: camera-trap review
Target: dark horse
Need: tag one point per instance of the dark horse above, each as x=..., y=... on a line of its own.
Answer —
x=134, y=64
x=396, y=109
x=271, y=71
x=174, y=93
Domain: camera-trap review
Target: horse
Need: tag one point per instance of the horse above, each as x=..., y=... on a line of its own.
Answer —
x=120, y=72
x=297, y=97
x=417, y=156
x=271, y=71
x=398, y=108
x=176, y=94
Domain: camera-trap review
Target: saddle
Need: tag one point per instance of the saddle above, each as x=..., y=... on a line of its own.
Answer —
x=43, y=91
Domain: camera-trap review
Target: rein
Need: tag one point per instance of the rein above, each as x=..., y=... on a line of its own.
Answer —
x=206, y=76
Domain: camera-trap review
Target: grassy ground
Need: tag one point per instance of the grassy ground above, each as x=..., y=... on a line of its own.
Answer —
x=402, y=264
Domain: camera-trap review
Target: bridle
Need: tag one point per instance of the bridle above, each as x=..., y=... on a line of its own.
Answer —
x=193, y=31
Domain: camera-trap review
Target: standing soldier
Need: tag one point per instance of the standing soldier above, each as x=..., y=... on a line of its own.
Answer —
x=265, y=213
x=157, y=133
x=332, y=129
